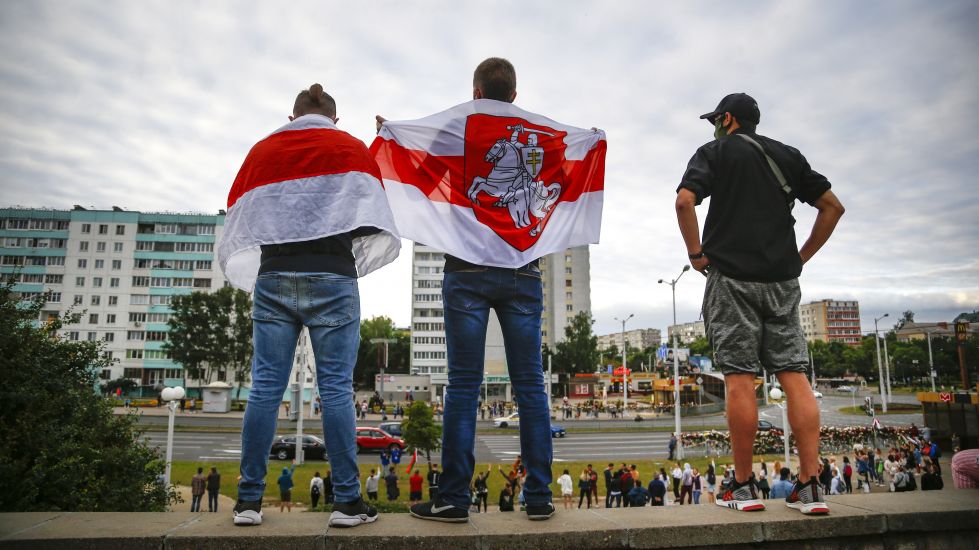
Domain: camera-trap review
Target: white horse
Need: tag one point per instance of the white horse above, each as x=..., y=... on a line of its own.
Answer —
x=507, y=174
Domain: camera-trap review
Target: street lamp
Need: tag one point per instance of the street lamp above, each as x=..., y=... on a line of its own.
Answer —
x=676, y=365
x=384, y=341
x=172, y=396
x=880, y=369
x=931, y=362
x=625, y=369
x=776, y=395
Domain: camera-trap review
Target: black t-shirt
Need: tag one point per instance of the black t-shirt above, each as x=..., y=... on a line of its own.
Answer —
x=749, y=230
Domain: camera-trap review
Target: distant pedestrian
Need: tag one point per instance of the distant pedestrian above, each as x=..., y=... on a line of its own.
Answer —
x=385, y=458
x=433, y=481
x=672, y=446
x=931, y=480
x=783, y=486
x=396, y=456
x=480, y=490
x=285, y=487
x=686, y=484
x=371, y=485
x=677, y=475
x=567, y=489
x=697, y=486
x=328, y=488
x=848, y=474
x=197, y=486
x=287, y=407
x=213, y=488
x=415, y=488
x=609, y=474
x=711, y=484
x=614, y=496
x=391, y=485
x=638, y=495
x=315, y=490
x=657, y=492
x=584, y=488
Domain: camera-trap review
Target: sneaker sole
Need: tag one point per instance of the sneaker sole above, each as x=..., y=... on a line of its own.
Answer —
x=241, y=519
x=814, y=508
x=541, y=517
x=344, y=520
x=742, y=505
x=443, y=520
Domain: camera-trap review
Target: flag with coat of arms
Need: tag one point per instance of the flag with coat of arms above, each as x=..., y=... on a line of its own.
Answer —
x=493, y=184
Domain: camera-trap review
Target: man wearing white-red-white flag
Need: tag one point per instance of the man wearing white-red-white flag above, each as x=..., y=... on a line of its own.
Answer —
x=496, y=188
x=307, y=215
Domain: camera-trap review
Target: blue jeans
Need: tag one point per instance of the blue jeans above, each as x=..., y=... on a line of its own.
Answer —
x=517, y=297
x=329, y=306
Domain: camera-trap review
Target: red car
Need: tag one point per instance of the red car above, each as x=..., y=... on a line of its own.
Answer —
x=374, y=439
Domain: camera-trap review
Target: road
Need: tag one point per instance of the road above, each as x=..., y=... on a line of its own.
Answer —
x=505, y=445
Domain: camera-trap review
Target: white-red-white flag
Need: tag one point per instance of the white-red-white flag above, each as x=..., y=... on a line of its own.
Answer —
x=305, y=181
x=493, y=184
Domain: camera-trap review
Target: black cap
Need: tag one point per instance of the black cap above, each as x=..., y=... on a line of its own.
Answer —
x=742, y=106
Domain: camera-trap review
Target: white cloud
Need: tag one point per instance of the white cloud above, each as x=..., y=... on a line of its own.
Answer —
x=152, y=106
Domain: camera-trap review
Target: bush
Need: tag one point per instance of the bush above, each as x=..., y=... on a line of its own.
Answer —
x=61, y=447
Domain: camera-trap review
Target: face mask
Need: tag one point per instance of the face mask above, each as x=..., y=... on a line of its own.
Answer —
x=719, y=130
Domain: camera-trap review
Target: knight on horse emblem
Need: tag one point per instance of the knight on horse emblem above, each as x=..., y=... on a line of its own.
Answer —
x=513, y=179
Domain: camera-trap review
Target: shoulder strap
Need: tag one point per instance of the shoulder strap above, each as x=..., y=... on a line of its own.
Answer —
x=771, y=163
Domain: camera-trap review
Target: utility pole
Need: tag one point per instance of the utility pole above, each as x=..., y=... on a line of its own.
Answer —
x=384, y=341
x=961, y=335
x=625, y=368
x=887, y=369
x=880, y=369
x=931, y=362
x=676, y=365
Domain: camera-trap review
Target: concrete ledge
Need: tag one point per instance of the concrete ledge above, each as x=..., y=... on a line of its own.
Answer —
x=946, y=519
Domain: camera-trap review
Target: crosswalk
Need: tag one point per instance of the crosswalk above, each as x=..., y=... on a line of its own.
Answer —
x=191, y=446
x=585, y=446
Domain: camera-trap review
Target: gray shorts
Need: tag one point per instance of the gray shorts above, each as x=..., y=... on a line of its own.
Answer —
x=753, y=325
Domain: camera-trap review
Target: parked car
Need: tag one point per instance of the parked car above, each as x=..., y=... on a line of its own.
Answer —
x=284, y=447
x=376, y=439
x=557, y=431
x=393, y=428
x=764, y=426
x=817, y=395
x=512, y=419
x=846, y=389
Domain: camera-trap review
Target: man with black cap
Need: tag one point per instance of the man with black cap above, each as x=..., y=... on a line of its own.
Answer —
x=752, y=264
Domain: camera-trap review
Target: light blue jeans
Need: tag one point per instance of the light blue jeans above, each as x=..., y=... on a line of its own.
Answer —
x=329, y=305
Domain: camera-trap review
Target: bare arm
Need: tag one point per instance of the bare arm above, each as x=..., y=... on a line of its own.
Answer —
x=830, y=211
x=686, y=215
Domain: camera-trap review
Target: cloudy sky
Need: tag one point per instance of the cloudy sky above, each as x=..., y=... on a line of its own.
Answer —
x=152, y=106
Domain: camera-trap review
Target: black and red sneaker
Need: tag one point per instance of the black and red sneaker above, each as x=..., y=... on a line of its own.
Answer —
x=807, y=498
x=742, y=496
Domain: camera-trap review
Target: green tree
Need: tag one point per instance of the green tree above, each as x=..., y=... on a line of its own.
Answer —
x=420, y=430
x=578, y=353
x=701, y=346
x=125, y=384
x=370, y=356
x=191, y=339
x=61, y=446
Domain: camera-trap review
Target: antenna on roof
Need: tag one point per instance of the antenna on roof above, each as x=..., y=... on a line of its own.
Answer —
x=79, y=207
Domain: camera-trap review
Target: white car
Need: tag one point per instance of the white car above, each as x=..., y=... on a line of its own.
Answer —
x=512, y=419
x=817, y=394
x=846, y=389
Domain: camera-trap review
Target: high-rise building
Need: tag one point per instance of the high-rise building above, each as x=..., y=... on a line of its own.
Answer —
x=121, y=268
x=567, y=291
x=687, y=332
x=831, y=321
x=640, y=338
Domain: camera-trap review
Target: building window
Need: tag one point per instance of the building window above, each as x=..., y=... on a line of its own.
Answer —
x=113, y=300
x=203, y=264
x=91, y=336
x=96, y=300
x=86, y=228
x=139, y=299
x=106, y=374
x=83, y=246
x=110, y=319
x=141, y=281
x=117, y=247
x=120, y=230
x=135, y=335
x=73, y=336
x=109, y=337
x=100, y=246
x=97, y=282
x=116, y=265
x=79, y=281
x=54, y=298
x=137, y=317
x=114, y=282
x=93, y=318
x=103, y=229
x=82, y=263
x=78, y=299
x=99, y=264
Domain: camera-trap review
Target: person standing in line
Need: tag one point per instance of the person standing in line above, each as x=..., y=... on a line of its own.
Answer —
x=315, y=490
x=782, y=488
x=197, y=486
x=686, y=484
x=307, y=215
x=285, y=487
x=625, y=478
x=847, y=474
x=391, y=485
x=615, y=492
x=213, y=488
x=609, y=475
x=593, y=483
x=657, y=491
x=711, y=483
x=567, y=489
x=371, y=485
x=752, y=264
x=584, y=488
x=677, y=475
x=763, y=484
x=415, y=488
x=481, y=488
x=433, y=481
x=697, y=487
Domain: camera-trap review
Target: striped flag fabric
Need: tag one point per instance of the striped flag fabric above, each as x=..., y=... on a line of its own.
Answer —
x=305, y=181
x=493, y=184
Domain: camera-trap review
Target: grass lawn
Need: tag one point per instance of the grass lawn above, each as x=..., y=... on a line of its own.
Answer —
x=183, y=471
